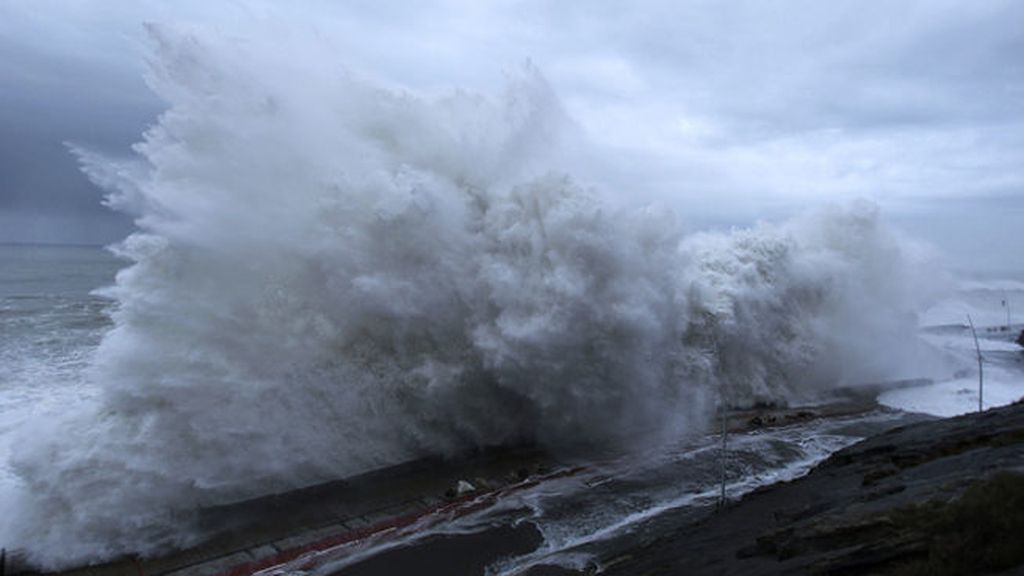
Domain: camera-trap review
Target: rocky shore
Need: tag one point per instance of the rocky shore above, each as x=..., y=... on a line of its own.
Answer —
x=935, y=497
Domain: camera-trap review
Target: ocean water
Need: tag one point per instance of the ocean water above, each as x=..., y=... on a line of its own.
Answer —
x=51, y=321
x=332, y=275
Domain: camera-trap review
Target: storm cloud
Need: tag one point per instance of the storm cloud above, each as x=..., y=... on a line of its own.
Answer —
x=729, y=112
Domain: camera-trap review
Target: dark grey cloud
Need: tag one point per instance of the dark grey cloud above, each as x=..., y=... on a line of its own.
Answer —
x=48, y=101
x=729, y=111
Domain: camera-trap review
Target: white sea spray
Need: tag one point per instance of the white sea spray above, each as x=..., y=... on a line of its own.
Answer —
x=331, y=276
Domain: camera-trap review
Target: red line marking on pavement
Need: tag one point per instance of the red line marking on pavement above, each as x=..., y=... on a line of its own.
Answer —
x=459, y=507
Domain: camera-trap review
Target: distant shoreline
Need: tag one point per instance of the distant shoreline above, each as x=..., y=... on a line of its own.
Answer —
x=52, y=245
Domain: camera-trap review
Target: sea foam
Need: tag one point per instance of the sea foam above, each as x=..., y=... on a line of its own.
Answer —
x=330, y=276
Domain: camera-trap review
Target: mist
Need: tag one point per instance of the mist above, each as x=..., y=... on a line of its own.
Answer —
x=330, y=276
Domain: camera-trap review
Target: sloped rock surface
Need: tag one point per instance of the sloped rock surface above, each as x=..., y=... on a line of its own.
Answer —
x=937, y=497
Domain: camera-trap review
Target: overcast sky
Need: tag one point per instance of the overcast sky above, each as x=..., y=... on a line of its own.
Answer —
x=729, y=111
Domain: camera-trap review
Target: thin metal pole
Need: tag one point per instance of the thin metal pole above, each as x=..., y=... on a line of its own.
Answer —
x=721, y=498
x=725, y=429
x=981, y=368
x=1006, y=302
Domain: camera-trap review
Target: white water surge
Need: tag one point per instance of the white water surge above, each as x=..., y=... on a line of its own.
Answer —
x=331, y=276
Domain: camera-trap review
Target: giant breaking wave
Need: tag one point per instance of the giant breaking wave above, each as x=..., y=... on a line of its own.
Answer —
x=330, y=276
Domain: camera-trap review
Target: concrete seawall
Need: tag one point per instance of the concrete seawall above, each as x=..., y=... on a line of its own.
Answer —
x=246, y=537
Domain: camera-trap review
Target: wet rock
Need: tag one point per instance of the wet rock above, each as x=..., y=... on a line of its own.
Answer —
x=873, y=476
x=936, y=497
x=800, y=416
x=464, y=487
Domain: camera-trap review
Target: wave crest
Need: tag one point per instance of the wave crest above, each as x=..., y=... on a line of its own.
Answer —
x=331, y=276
